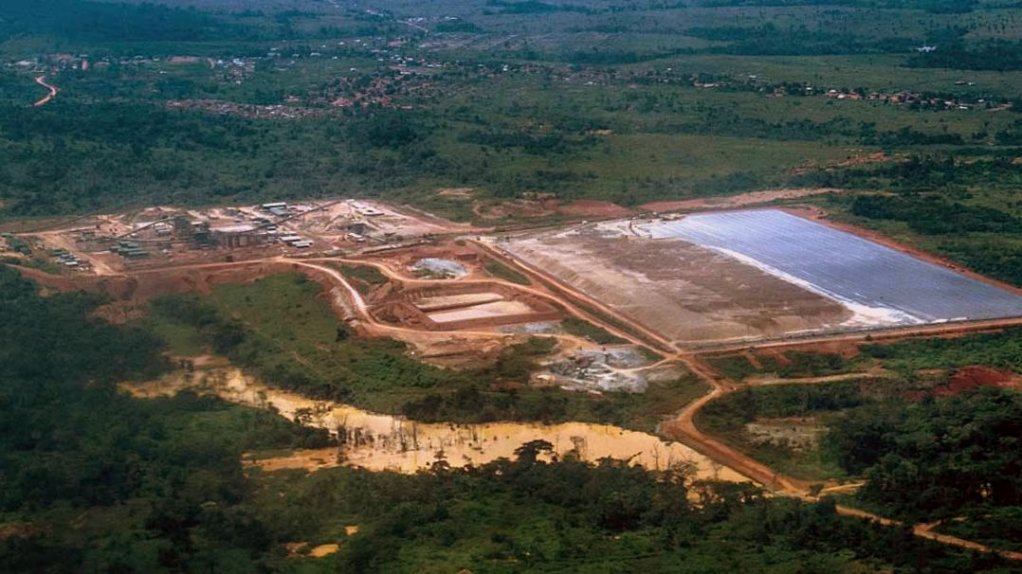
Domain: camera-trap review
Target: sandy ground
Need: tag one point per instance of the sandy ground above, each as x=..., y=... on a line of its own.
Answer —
x=491, y=310
x=383, y=442
x=333, y=219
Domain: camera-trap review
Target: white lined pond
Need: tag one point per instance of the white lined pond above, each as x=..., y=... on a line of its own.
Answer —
x=880, y=284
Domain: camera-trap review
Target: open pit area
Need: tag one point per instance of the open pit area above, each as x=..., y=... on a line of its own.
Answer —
x=753, y=275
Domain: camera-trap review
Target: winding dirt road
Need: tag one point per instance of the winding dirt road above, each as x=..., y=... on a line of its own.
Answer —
x=41, y=80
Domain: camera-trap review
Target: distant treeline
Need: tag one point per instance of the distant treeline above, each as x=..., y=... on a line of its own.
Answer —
x=932, y=6
x=996, y=55
x=102, y=21
x=772, y=40
x=70, y=157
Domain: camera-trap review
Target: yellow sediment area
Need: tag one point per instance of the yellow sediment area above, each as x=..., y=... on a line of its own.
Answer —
x=324, y=550
x=384, y=442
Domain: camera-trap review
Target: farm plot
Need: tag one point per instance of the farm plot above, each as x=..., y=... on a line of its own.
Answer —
x=749, y=275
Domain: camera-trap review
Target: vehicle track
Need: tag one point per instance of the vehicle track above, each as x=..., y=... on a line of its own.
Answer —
x=684, y=425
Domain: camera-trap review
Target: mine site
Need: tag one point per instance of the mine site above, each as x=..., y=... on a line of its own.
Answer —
x=749, y=275
x=657, y=286
x=683, y=280
x=511, y=286
x=612, y=306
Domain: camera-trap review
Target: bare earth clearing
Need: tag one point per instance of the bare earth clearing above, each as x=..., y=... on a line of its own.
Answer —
x=685, y=292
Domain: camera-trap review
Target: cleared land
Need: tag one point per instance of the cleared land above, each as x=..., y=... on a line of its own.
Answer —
x=751, y=275
x=683, y=291
x=493, y=309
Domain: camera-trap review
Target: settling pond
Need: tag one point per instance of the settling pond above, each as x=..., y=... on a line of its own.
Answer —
x=871, y=279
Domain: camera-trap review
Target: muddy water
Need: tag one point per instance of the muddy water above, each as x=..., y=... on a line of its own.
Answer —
x=383, y=442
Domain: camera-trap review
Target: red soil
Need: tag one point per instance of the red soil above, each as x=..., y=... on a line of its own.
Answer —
x=594, y=209
x=968, y=378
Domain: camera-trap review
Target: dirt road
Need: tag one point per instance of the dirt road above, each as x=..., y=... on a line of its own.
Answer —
x=683, y=427
x=538, y=292
x=41, y=80
x=769, y=381
x=927, y=531
x=408, y=333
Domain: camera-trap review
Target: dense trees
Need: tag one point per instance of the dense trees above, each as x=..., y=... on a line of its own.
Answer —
x=527, y=515
x=137, y=475
x=936, y=458
x=935, y=215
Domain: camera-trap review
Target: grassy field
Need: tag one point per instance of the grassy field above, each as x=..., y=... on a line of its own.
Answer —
x=279, y=328
x=365, y=277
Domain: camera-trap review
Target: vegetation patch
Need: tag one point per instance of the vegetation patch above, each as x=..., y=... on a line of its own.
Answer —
x=502, y=271
x=1002, y=349
x=787, y=365
x=365, y=277
x=939, y=458
x=791, y=406
x=586, y=330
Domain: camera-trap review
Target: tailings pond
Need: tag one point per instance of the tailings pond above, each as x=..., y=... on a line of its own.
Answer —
x=852, y=270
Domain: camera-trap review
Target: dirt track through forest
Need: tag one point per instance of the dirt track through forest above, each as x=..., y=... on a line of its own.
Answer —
x=41, y=80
